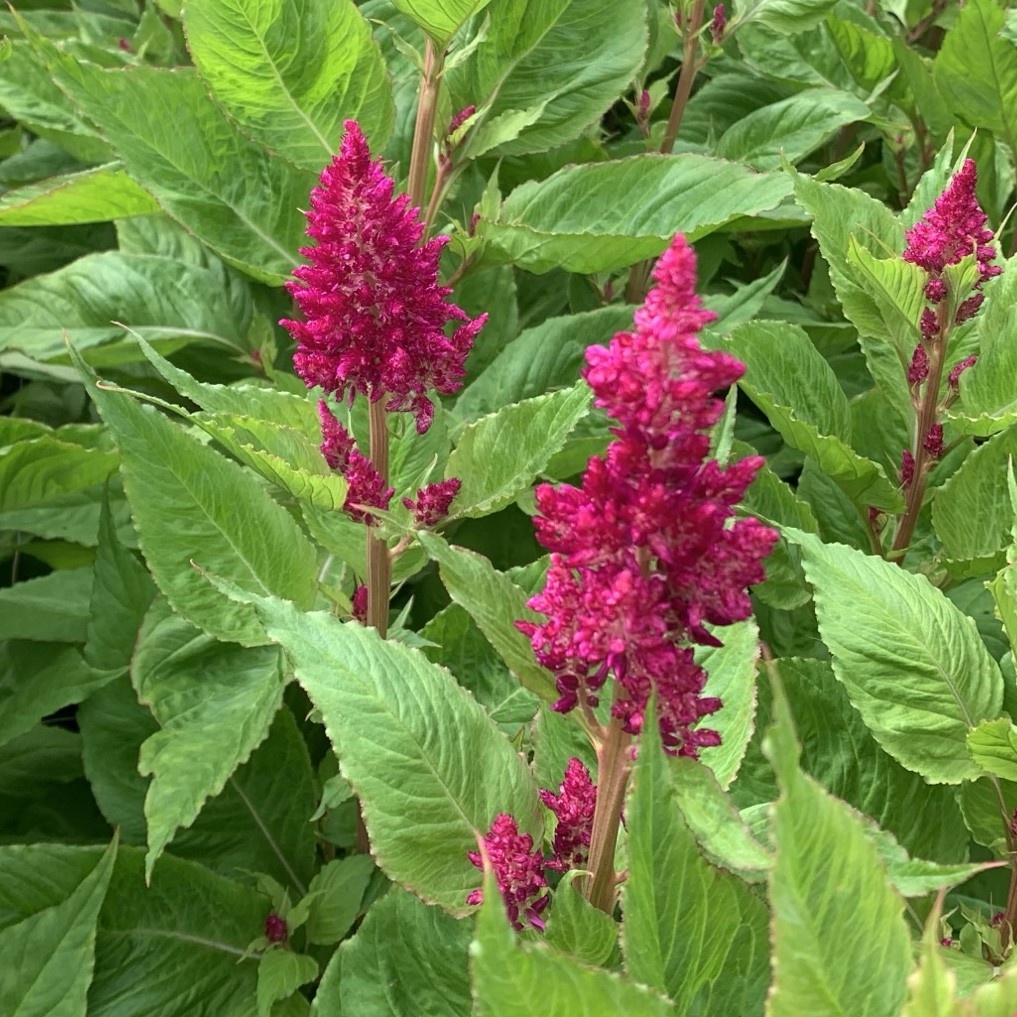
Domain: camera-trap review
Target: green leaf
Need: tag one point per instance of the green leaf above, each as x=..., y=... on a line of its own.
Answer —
x=203, y=172
x=290, y=73
x=190, y=958
x=790, y=129
x=976, y=70
x=500, y=454
x=439, y=18
x=418, y=750
x=993, y=746
x=574, y=220
x=43, y=755
x=912, y=663
x=280, y=974
x=43, y=471
x=407, y=959
x=577, y=928
x=495, y=603
x=340, y=886
x=99, y=194
x=162, y=298
x=545, y=71
x=515, y=979
x=191, y=504
x=690, y=930
x=971, y=513
x=788, y=16
x=52, y=608
x=37, y=679
x=49, y=956
x=827, y=876
x=539, y=359
x=788, y=379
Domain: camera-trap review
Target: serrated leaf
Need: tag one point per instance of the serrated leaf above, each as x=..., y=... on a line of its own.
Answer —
x=574, y=220
x=418, y=750
x=42, y=471
x=191, y=504
x=49, y=956
x=500, y=454
x=827, y=875
x=495, y=603
x=673, y=935
x=912, y=663
x=439, y=18
x=788, y=16
x=577, y=928
x=993, y=746
x=99, y=194
x=340, y=886
x=290, y=73
x=280, y=975
x=52, y=608
x=512, y=979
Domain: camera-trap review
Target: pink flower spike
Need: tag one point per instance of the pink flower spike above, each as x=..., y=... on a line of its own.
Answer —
x=958, y=369
x=907, y=468
x=919, y=369
x=433, y=502
x=717, y=24
x=573, y=805
x=374, y=314
x=933, y=443
x=519, y=870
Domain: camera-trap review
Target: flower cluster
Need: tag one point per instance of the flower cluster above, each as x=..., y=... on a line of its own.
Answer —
x=433, y=501
x=366, y=485
x=374, y=314
x=645, y=554
x=519, y=867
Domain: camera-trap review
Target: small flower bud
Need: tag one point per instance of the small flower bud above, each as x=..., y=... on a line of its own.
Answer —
x=433, y=502
x=358, y=603
x=958, y=369
x=275, y=928
x=935, y=290
x=919, y=369
x=718, y=24
x=907, y=468
x=933, y=443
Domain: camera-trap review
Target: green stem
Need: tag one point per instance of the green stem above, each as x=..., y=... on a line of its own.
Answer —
x=423, y=130
x=613, y=767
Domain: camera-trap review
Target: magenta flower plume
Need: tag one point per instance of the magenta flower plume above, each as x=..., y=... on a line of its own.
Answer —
x=374, y=314
x=366, y=484
x=573, y=805
x=645, y=553
x=519, y=870
x=433, y=501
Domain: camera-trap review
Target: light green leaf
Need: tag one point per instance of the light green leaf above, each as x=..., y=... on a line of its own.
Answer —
x=280, y=974
x=574, y=220
x=192, y=505
x=790, y=129
x=912, y=663
x=37, y=679
x=788, y=16
x=798, y=391
x=827, y=875
x=690, y=930
x=976, y=70
x=99, y=194
x=972, y=514
x=214, y=703
x=513, y=979
x=162, y=298
x=44, y=470
x=993, y=746
x=407, y=959
x=577, y=928
x=49, y=956
x=495, y=603
x=340, y=886
x=439, y=18
x=290, y=73
x=52, y=608
x=547, y=71
x=500, y=454
x=418, y=750
x=43, y=755
x=204, y=173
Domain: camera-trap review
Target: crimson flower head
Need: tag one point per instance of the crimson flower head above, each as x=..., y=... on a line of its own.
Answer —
x=374, y=314
x=645, y=554
x=366, y=484
x=573, y=805
x=519, y=870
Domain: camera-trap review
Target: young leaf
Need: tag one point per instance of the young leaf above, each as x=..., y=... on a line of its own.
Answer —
x=418, y=750
x=99, y=194
x=439, y=18
x=290, y=73
x=340, y=886
x=511, y=979
x=280, y=975
x=574, y=220
x=52, y=608
x=406, y=959
x=690, y=930
x=577, y=928
x=912, y=663
x=500, y=454
x=993, y=746
x=192, y=504
x=49, y=956
x=839, y=935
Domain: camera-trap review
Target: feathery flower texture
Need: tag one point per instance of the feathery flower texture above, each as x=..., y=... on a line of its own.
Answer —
x=374, y=313
x=645, y=553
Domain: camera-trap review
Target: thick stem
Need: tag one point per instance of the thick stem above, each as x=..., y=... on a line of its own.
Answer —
x=423, y=130
x=1010, y=914
x=613, y=768
x=686, y=76
x=379, y=565
x=926, y=418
